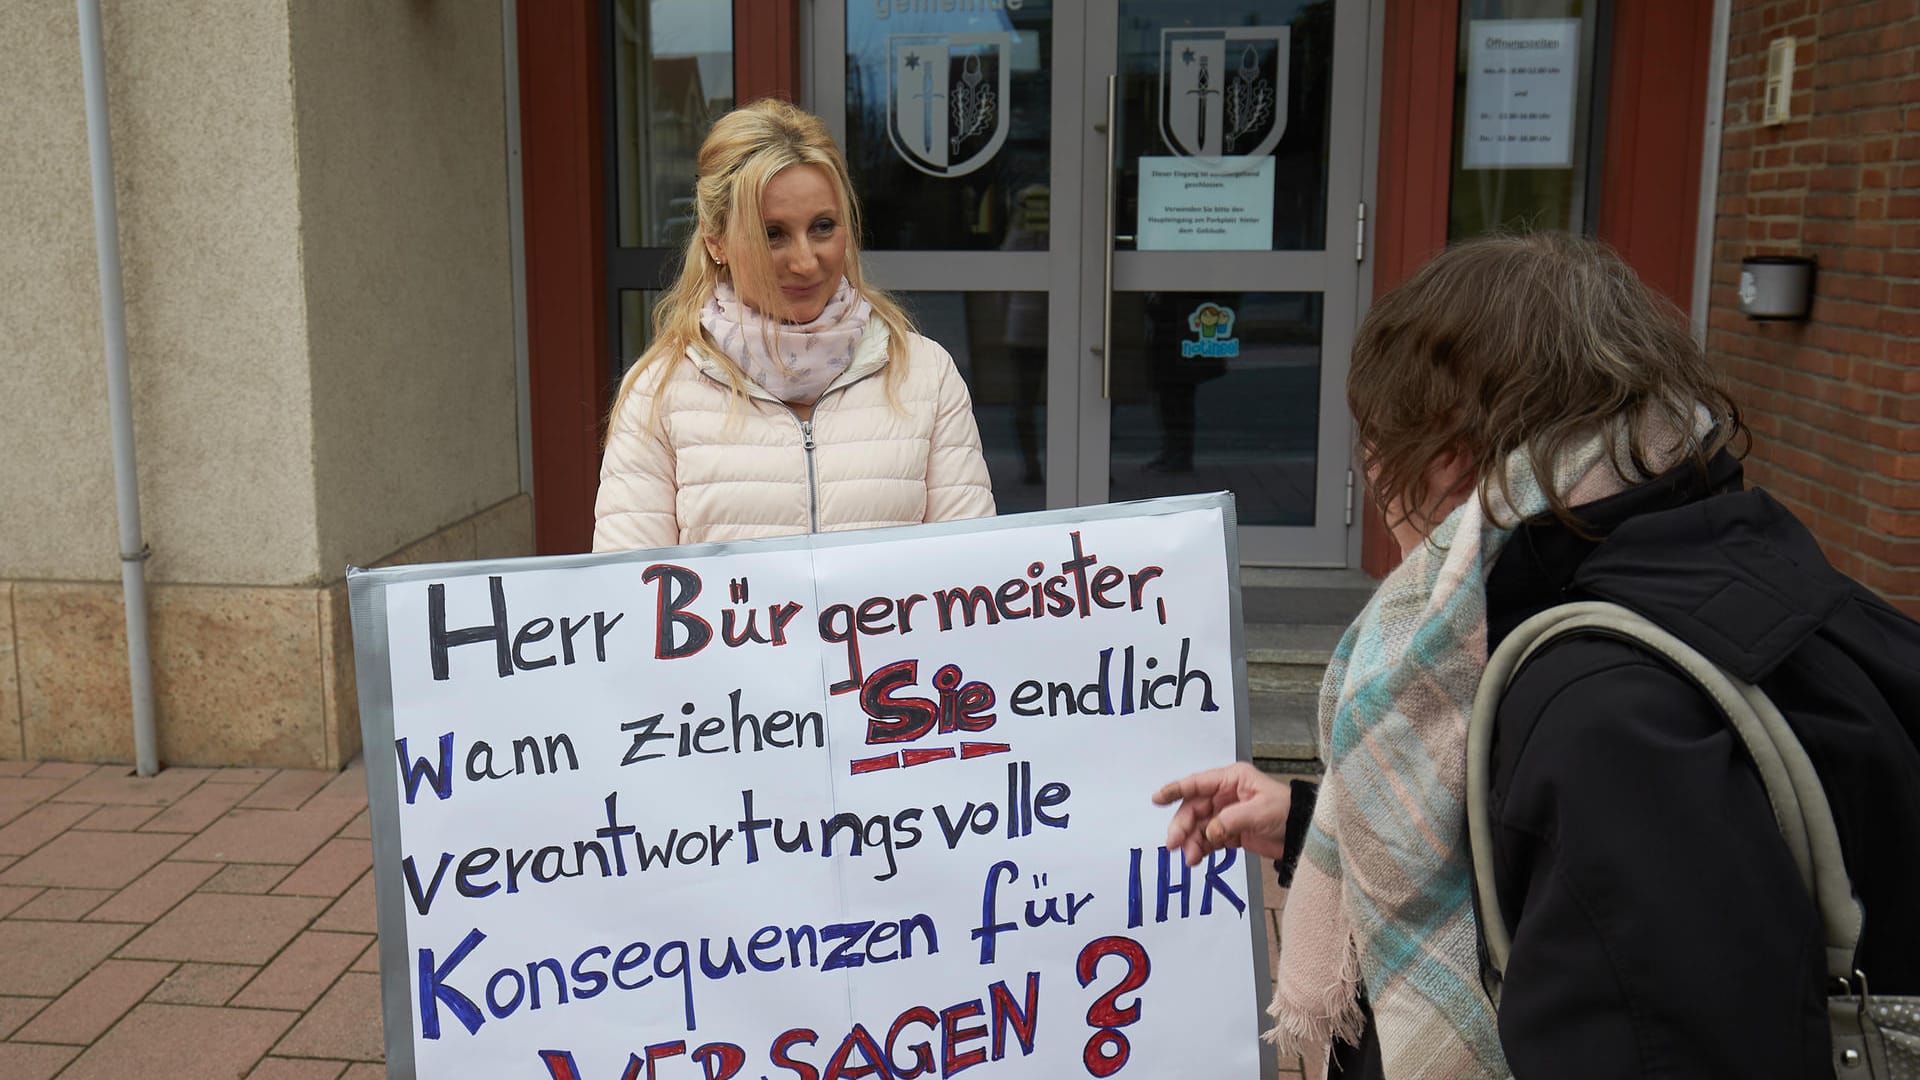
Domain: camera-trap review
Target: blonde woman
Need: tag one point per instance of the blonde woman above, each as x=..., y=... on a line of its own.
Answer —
x=782, y=393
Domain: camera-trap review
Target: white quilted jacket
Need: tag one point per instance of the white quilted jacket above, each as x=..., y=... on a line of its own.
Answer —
x=714, y=467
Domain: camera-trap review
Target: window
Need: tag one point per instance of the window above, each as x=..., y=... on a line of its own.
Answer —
x=1525, y=116
x=670, y=65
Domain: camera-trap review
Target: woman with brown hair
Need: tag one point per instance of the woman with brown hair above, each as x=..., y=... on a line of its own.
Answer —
x=1540, y=428
x=782, y=393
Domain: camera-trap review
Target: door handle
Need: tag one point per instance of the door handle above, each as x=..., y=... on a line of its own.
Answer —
x=1106, y=248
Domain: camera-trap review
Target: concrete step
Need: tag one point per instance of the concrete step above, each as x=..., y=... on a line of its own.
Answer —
x=1294, y=619
x=1283, y=658
x=1333, y=604
x=1283, y=731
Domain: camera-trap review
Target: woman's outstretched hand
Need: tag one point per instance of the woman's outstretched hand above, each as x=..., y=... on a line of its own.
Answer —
x=1235, y=806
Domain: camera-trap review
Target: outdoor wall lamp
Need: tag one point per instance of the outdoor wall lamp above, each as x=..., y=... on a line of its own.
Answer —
x=1776, y=286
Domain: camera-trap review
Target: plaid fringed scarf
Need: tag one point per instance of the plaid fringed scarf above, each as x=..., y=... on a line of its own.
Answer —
x=1382, y=897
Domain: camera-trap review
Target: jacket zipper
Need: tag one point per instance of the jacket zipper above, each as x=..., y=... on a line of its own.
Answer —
x=807, y=444
x=813, y=486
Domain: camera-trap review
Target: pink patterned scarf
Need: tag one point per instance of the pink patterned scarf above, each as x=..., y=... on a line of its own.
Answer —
x=794, y=362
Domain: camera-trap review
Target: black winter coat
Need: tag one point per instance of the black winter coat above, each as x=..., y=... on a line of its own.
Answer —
x=1659, y=926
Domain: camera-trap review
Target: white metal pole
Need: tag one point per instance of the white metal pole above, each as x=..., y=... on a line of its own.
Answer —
x=517, y=236
x=106, y=228
x=1709, y=210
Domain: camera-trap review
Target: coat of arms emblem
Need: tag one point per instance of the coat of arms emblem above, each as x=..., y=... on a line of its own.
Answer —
x=1223, y=91
x=947, y=99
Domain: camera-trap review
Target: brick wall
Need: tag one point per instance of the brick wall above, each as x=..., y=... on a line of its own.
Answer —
x=1834, y=402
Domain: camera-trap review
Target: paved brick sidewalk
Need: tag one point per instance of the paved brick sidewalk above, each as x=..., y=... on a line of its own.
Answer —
x=202, y=924
x=205, y=923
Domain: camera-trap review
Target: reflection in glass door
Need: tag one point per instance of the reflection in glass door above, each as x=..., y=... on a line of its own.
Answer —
x=953, y=121
x=1234, y=147
x=947, y=122
x=1166, y=311
x=1218, y=390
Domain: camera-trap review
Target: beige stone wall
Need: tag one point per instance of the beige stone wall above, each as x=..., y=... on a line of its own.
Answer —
x=401, y=110
x=56, y=517
x=243, y=675
x=202, y=125
x=313, y=226
x=313, y=205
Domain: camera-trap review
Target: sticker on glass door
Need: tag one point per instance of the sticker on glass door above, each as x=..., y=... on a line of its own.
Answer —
x=1223, y=91
x=1213, y=326
x=947, y=99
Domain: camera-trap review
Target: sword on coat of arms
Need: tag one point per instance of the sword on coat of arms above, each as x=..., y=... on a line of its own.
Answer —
x=927, y=98
x=1200, y=99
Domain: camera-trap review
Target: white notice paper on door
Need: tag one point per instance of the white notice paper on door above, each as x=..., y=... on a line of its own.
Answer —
x=1523, y=78
x=1189, y=205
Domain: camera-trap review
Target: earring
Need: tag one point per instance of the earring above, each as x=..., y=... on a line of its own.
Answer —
x=718, y=261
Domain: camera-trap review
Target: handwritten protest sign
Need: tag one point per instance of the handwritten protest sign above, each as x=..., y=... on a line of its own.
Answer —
x=839, y=806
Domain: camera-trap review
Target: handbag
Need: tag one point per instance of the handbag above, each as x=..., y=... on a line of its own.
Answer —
x=1874, y=1038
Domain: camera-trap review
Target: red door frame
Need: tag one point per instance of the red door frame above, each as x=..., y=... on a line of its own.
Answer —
x=766, y=49
x=561, y=207
x=1416, y=162
x=1656, y=126
x=1650, y=176
x=564, y=212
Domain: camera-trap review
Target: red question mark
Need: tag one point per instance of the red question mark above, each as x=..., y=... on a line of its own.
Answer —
x=1107, y=1051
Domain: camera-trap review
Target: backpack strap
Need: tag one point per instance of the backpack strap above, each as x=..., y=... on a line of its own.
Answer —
x=1793, y=789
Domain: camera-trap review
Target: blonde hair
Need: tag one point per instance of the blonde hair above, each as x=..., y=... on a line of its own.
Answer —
x=745, y=150
x=1530, y=342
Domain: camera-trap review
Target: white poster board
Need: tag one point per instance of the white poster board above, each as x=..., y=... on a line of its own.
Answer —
x=1523, y=79
x=1190, y=204
x=868, y=804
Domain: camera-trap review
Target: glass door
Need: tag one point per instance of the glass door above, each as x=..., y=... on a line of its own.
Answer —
x=1221, y=221
x=1155, y=306
x=959, y=122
